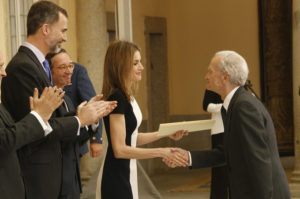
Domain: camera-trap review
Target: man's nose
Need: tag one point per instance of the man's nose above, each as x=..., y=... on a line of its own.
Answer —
x=3, y=72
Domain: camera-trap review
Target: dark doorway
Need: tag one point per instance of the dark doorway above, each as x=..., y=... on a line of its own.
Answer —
x=157, y=71
x=275, y=19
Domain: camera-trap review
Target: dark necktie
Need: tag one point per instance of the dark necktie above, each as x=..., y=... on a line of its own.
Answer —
x=48, y=71
x=223, y=113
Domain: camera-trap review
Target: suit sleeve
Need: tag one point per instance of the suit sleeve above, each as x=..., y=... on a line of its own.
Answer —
x=208, y=158
x=252, y=134
x=85, y=134
x=86, y=91
x=16, y=89
x=19, y=134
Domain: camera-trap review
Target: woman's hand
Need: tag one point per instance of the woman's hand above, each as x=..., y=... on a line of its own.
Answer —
x=178, y=134
x=174, y=157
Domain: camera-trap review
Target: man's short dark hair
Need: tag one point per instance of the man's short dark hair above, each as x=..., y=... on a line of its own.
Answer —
x=49, y=56
x=42, y=12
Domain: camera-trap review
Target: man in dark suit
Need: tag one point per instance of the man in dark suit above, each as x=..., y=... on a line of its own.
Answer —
x=41, y=161
x=81, y=89
x=62, y=70
x=212, y=103
x=250, y=147
x=15, y=135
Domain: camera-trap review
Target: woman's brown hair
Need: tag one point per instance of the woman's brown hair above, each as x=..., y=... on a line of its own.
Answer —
x=118, y=66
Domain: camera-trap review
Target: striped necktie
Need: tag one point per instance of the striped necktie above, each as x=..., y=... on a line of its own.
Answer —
x=48, y=71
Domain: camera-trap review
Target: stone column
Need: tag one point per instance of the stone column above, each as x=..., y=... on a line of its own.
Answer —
x=5, y=46
x=295, y=180
x=92, y=38
x=91, y=48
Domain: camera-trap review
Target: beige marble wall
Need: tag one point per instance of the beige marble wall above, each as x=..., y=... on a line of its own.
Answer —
x=195, y=31
x=4, y=31
x=71, y=44
x=92, y=38
x=295, y=186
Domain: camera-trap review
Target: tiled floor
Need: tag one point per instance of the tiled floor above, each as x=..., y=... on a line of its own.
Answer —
x=181, y=183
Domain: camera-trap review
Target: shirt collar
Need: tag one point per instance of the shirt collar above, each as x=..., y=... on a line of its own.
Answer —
x=229, y=97
x=36, y=52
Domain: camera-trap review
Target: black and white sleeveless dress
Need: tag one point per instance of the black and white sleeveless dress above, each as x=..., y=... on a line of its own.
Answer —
x=119, y=176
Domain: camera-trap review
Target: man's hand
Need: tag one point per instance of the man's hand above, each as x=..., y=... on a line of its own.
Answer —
x=95, y=149
x=110, y=105
x=174, y=157
x=173, y=162
x=96, y=98
x=90, y=112
x=49, y=101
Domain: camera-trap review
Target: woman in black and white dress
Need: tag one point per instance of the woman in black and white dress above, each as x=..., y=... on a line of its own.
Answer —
x=122, y=71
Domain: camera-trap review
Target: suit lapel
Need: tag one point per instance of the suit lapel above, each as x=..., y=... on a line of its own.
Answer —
x=227, y=126
x=231, y=104
x=32, y=56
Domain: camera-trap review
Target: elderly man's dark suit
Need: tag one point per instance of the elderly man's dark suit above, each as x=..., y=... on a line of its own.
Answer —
x=71, y=182
x=219, y=177
x=40, y=161
x=82, y=90
x=12, y=137
x=250, y=149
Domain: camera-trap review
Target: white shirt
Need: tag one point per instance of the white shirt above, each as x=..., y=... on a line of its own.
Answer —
x=40, y=56
x=215, y=110
x=226, y=103
x=228, y=98
x=46, y=126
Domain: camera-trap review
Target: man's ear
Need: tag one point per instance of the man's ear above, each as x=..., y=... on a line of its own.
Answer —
x=45, y=29
x=226, y=76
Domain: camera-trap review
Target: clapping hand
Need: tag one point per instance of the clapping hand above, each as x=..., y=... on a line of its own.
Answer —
x=108, y=106
x=90, y=112
x=50, y=99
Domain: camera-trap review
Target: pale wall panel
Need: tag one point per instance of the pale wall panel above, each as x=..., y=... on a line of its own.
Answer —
x=196, y=30
x=71, y=44
x=4, y=31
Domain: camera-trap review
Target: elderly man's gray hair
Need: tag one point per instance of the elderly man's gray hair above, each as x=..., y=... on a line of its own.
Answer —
x=234, y=64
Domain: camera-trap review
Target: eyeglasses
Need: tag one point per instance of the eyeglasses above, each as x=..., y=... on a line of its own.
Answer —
x=65, y=67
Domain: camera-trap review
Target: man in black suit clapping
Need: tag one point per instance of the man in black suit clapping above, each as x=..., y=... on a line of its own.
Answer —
x=13, y=136
x=41, y=161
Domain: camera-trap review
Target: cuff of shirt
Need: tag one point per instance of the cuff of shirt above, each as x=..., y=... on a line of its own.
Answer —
x=190, y=158
x=95, y=126
x=79, y=124
x=46, y=126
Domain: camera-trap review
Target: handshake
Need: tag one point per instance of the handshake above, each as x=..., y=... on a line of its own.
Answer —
x=176, y=157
